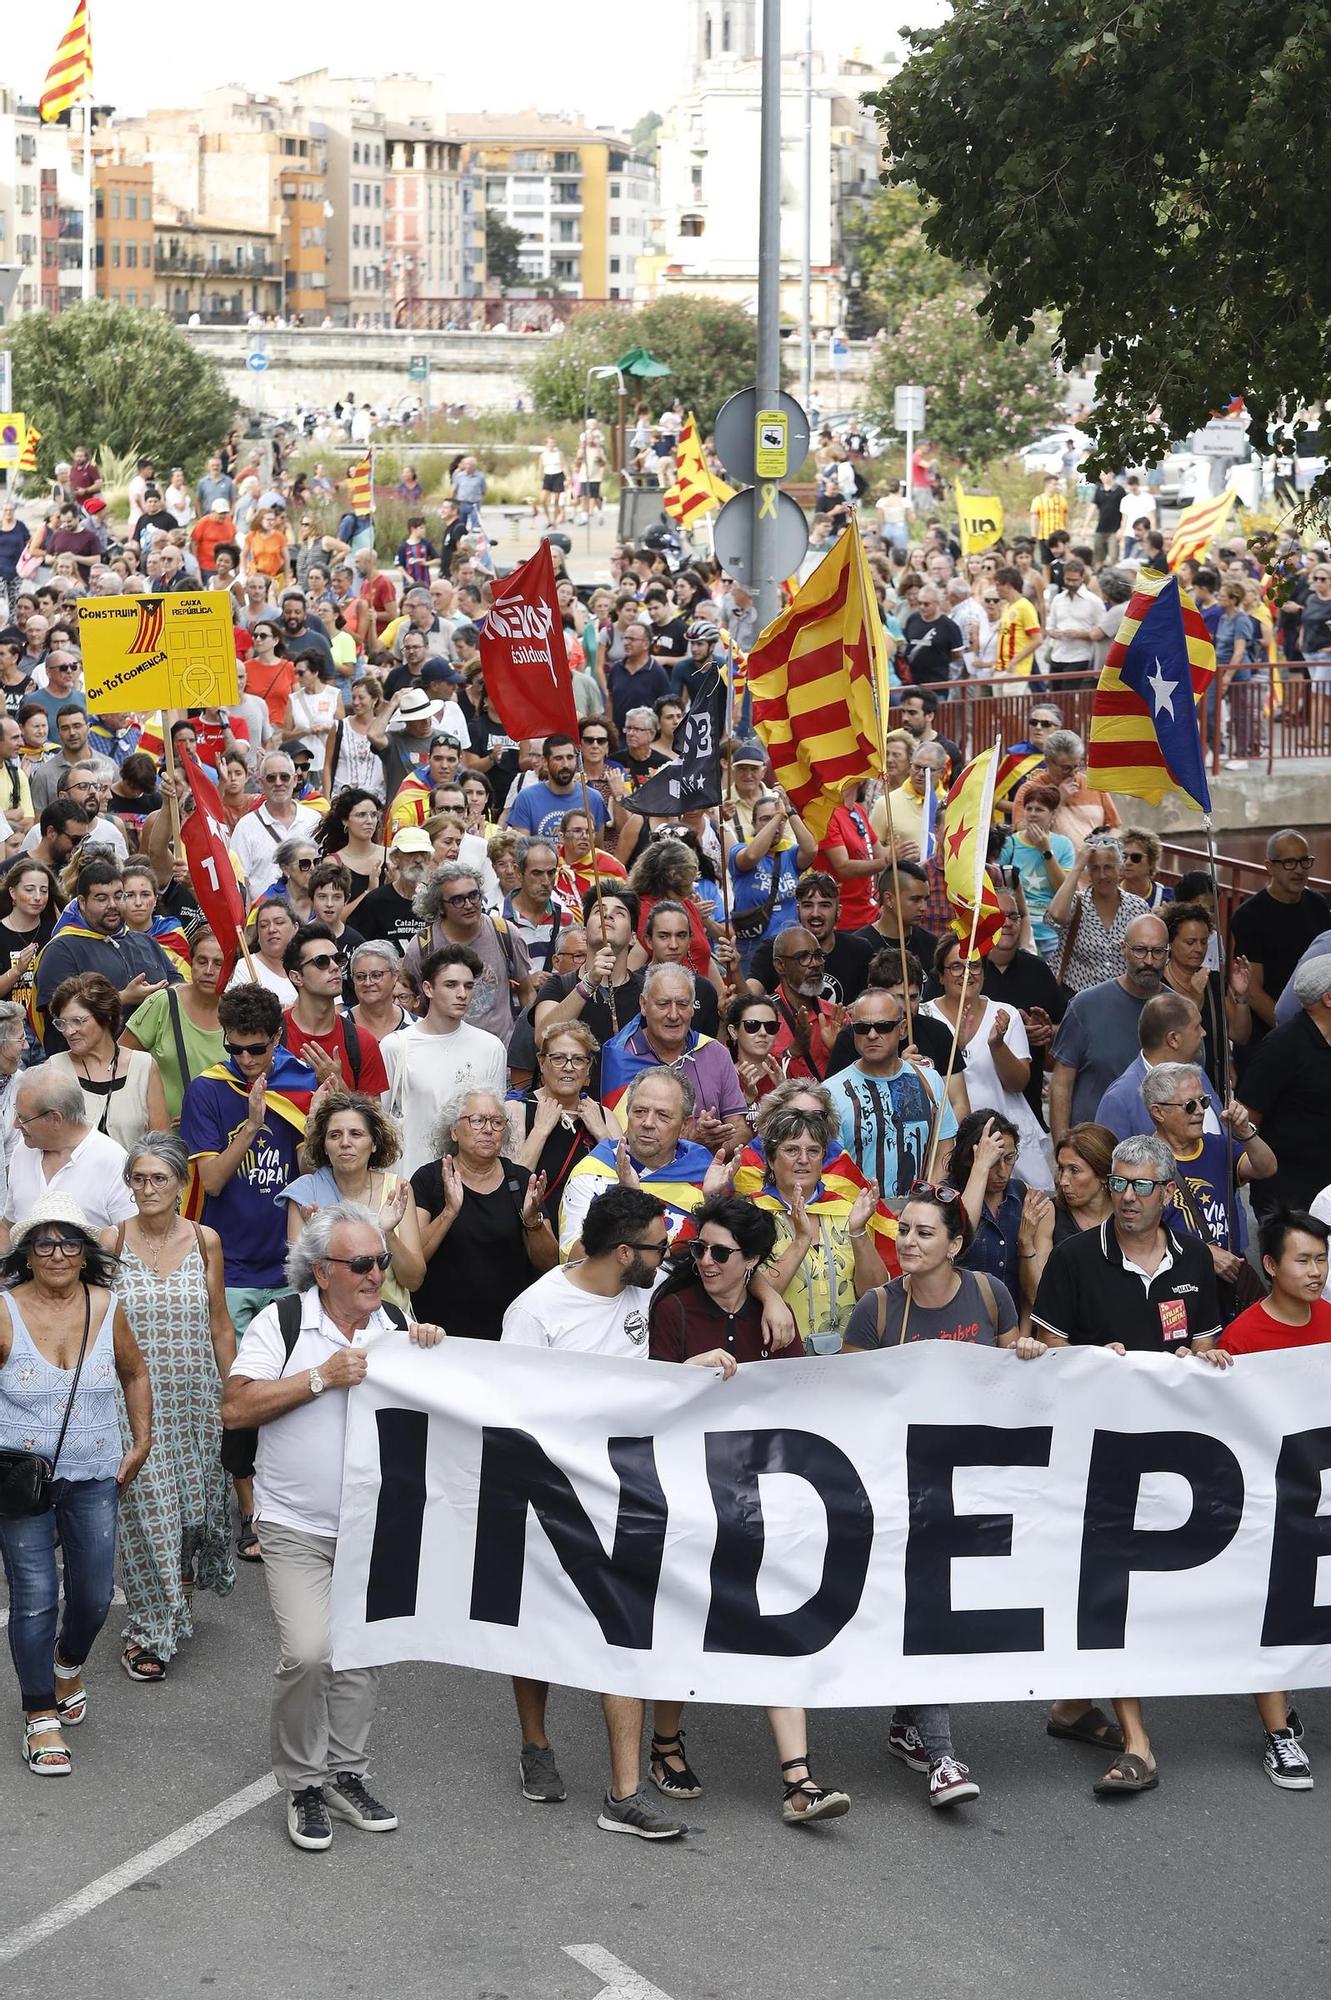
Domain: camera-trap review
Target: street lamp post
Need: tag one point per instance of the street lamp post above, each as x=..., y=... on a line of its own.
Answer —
x=592, y=373
x=769, y=301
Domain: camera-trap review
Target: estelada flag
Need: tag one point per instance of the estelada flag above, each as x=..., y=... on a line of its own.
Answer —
x=70, y=75
x=1014, y=767
x=970, y=812
x=812, y=675
x=207, y=845
x=1144, y=737
x=524, y=656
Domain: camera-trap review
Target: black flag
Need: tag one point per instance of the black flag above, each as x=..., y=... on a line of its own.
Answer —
x=693, y=777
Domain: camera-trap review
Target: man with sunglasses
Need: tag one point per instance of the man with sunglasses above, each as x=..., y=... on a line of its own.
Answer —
x=289, y=1386
x=538, y=808
x=1274, y=928
x=315, y=1029
x=887, y=1107
x=1212, y=1166
x=1139, y=1284
x=257, y=835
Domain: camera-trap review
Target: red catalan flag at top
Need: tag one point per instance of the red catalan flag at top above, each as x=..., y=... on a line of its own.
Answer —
x=207, y=846
x=524, y=653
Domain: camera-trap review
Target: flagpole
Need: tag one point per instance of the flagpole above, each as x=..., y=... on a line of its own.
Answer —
x=89, y=279
x=977, y=897
x=1222, y=1023
x=881, y=723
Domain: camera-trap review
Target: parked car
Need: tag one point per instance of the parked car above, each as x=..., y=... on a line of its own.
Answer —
x=1045, y=454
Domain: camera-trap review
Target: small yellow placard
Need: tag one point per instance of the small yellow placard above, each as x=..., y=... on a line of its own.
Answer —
x=169, y=651
x=771, y=444
x=13, y=436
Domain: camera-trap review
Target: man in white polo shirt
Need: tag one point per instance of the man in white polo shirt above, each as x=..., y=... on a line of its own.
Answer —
x=62, y=1154
x=290, y=1381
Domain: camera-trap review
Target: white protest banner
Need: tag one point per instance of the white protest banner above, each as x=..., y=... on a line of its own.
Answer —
x=934, y=1523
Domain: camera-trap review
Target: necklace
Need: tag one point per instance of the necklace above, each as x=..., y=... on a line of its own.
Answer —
x=155, y=1259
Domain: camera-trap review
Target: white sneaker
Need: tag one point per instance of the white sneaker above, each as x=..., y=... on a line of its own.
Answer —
x=1286, y=1762
x=1234, y=764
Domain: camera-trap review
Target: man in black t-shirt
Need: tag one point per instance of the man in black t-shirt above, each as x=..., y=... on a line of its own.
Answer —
x=668, y=644
x=933, y=641
x=846, y=955
x=1274, y=928
x=387, y=911
x=1107, y=506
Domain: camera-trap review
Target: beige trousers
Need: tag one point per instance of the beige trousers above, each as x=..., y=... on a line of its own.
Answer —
x=321, y=1720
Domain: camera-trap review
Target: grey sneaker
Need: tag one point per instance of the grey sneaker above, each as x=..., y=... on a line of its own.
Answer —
x=346, y=1796
x=308, y=1824
x=637, y=1814
x=540, y=1777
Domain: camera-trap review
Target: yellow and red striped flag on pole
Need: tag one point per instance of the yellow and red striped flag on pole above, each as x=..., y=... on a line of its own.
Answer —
x=360, y=480
x=976, y=915
x=70, y=75
x=1198, y=526
x=27, y=461
x=696, y=490
x=812, y=675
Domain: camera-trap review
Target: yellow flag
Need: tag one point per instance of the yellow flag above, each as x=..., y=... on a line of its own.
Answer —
x=981, y=518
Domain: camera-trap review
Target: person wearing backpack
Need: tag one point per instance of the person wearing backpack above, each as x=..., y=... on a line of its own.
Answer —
x=314, y=1029
x=300, y=1358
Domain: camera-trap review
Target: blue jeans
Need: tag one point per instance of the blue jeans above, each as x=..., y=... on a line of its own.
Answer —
x=84, y=1510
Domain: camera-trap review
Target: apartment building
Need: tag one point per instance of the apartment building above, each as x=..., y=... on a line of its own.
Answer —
x=21, y=268
x=123, y=233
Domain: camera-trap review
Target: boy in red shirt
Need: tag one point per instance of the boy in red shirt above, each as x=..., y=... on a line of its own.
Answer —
x=1294, y=1257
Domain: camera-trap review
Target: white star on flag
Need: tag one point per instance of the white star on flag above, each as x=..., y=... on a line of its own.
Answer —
x=1164, y=690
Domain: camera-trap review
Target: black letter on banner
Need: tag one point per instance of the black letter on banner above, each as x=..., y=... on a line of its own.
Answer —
x=734, y=1461
x=1112, y=1547
x=620, y=1589
x=395, y=1556
x=939, y=1536
x=1298, y=1539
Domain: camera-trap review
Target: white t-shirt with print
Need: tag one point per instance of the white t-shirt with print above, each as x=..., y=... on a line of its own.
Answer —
x=554, y=1312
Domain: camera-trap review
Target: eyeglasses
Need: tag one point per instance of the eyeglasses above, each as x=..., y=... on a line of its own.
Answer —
x=721, y=1252
x=150, y=1180
x=655, y=1249
x=484, y=1121
x=59, y=1246
x=1119, y=1184
x=462, y=900
x=804, y=957
x=1296, y=861
x=374, y=972
x=1146, y=950
x=362, y=1266
x=578, y=1061
x=862, y=1028
x=758, y=1027
x=1188, y=1104
x=255, y=1049
x=322, y=962
x=278, y=778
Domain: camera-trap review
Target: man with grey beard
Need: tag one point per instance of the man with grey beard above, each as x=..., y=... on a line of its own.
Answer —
x=809, y=1024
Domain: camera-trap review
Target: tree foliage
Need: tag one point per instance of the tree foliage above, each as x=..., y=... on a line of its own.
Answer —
x=107, y=375
x=1150, y=173
x=643, y=135
x=709, y=348
x=502, y=245
x=985, y=397
x=898, y=268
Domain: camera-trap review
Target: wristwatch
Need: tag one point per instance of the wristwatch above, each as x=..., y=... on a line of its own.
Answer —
x=317, y=1383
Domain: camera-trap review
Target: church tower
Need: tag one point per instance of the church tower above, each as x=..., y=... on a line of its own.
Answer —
x=721, y=29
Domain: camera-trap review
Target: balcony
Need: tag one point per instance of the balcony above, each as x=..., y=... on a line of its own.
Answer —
x=187, y=263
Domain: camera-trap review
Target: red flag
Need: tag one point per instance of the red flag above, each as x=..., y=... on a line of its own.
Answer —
x=207, y=849
x=527, y=674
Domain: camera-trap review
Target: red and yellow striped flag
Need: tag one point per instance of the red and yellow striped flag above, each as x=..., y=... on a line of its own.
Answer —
x=360, y=480
x=696, y=490
x=965, y=846
x=27, y=461
x=812, y=675
x=70, y=75
x=1198, y=526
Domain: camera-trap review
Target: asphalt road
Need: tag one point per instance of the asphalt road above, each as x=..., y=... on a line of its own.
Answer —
x=1213, y=1886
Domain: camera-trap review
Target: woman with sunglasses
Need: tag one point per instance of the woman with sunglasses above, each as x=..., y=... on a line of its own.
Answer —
x=934, y=1300
x=998, y=1055
x=57, y=1306
x=175, y=1521
x=270, y=930
x=268, y=673
x=1141, y=859
x=484, y=1233
x=704, y=1311
x=349, y=1146
x=752, y=1025
x=295, y=858
x=556, y=1122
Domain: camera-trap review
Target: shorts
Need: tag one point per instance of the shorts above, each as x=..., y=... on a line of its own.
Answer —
x=593, y=489
x=552, y=482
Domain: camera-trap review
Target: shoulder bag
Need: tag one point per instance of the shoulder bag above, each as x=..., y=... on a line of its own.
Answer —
x=26, y=1477
x=1235, y=1294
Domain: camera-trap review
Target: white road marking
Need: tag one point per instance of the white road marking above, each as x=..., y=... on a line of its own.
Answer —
x=622, y=1982
x=85, y=1900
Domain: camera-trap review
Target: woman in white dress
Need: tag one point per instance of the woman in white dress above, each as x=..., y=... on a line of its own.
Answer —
x=998, y=1056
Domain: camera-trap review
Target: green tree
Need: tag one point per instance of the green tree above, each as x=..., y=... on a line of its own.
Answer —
x=986, y=397
x=709, y=348
x=1151, y=173
x=643, y=136
x=502, y=244
x=898, y=269
x=108, y=376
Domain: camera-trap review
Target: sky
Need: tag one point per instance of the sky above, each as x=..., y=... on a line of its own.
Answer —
x=591, y=56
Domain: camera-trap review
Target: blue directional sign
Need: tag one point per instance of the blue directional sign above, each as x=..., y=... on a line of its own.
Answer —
x=257, y=360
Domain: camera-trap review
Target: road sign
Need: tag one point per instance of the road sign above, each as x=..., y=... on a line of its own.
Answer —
x=771, y=444
x=733, y=532
x=13, y=435
x=256, y=360
x=169, y=651
x=908, y=406
x=737, y=439
x=418, y=368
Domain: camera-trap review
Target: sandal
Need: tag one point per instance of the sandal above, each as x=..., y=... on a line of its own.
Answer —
x=141, y=1665
x=71, y=1708
x=1094, y=1728
x=50, y=1761
x=247, y=1542
x=675, y=1784
x=1127, y=1773
x=821, y=1804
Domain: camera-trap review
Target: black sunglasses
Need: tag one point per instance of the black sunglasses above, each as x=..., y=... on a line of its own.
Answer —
x=861, y=1028
x=722, y=1252
x=362, y=1266
x=247, y=1048
x=322, y=962
x=760, y=1027
x=656, y=1249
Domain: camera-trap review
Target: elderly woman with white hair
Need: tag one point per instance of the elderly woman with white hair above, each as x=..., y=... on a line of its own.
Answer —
x=483, y=1231
x=1092, y=911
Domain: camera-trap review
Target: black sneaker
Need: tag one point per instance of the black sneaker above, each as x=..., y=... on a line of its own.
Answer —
x=348, y=1798
x=637, y=1814
x=541, y=1782
x=1286, y=1762
x=1294, y=1723
x=308, y=1824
